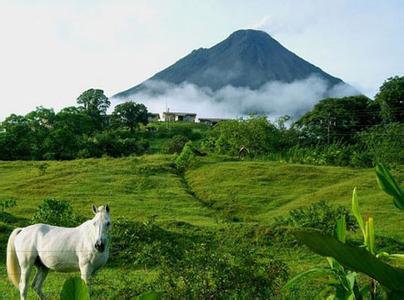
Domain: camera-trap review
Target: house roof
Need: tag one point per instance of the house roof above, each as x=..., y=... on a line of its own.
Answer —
x=213, y=119
x=179, y=113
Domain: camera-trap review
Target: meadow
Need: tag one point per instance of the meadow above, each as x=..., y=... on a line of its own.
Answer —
x=217, y=196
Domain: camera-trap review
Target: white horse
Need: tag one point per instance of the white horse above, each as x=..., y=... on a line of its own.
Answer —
x=83, y=248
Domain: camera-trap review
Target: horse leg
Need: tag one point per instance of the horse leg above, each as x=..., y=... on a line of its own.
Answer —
x=39, y=278
x=26, y=268
x=86, y=272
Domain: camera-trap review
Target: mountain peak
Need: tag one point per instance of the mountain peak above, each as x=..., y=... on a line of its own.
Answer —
x=249, y=33
x=247, y=58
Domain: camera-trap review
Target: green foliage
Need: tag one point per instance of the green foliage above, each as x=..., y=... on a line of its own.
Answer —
x=334, y=154
x=256, y=134
x=390, y=186
x=383, y=144
x=165, y=130
x=335, y=120
x=391, y=99
x=254, y=191
x=4, y=205
x=73, y=132
x=175, y=144
x=196, y=264
x=380, y=143
x=74, y=289
x=55, y=212
x=150, y=296
x=345, y=285
x=95, y=105
x=318, y=215
x=142, y=244
x=205, y=273
x=186, y=157
x=7, y=203
x=353, y=257
x=357, y=258
x=42, y=167
x=356, y=212
x=129, y=115
x=114, y=143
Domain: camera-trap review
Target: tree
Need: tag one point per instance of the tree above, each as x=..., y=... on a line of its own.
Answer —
x=339, y=119
x=41, y=122
x=16, y=138
x=391, y=99
x=74, y=118
x=129, y=115
x=95, y=104
x=256, y=133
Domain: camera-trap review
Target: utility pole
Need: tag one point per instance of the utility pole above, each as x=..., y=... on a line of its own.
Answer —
x=330, y=122
x=328, y=128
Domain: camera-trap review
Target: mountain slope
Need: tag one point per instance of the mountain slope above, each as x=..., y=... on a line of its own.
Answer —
x=247, y=58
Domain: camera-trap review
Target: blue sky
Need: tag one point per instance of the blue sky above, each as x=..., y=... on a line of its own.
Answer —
x=51, y=51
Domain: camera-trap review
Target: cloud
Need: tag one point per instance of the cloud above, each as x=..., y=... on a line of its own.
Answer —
x=273, y=98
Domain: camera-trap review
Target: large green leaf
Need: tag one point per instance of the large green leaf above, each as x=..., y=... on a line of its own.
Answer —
x=74, y=289
x=370, y=235
x=356, y=212
x=355, y=258
x=340, y=229
x=388, y=184
x=306, y=274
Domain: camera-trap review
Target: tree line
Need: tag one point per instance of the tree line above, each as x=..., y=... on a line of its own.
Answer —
x=85, y=130
x=351, y=130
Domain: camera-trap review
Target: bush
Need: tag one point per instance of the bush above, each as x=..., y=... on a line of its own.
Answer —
x=8, y=203
x=208, y=273
x=319, y=215
x=335, y=154
x=56, y=212
x=42, y=168
x=256, y=134
x=175, y=144
x=186, y=157
x=142, y=244
x=384, y=143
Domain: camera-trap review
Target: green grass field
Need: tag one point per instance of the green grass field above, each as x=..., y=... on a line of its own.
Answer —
x=137, y=188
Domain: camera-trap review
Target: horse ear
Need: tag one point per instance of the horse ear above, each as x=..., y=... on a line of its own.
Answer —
x=95, y=209
x=107, y=208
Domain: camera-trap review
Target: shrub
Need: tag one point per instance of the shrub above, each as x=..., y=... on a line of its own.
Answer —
x=319, y=215
x=208, y=273
x=142, y=244
x=384, y=143
x=186, y=157
x=42, y=168
x=8, y=203
x=334, y=154
x=56, y=212
x=256, y=134
x=175, y=144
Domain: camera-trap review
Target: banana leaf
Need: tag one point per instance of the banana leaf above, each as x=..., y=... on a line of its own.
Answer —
x=352, y=257
x=74, y=289
x=388, y=184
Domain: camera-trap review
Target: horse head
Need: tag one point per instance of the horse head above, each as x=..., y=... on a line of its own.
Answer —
x=102, y=224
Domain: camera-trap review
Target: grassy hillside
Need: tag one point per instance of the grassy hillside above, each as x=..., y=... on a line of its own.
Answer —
x=137, y=188
x=262, y=191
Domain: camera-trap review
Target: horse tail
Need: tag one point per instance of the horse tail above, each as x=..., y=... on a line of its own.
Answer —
x=13, y=266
